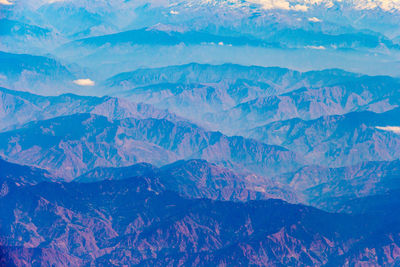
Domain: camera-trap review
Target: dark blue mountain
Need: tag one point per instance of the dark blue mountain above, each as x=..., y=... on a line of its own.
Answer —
x=134, y=221
x=19, y=175
x=198, y=179
x=195, y=73
x=153, y=36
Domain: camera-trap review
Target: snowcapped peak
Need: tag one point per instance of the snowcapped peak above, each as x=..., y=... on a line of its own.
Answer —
x=304, y=5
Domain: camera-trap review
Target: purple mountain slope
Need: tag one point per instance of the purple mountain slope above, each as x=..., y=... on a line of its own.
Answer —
x=71, y=145
x=134, y=221
x=21, y=107
x=198, y=179
x=325, y=188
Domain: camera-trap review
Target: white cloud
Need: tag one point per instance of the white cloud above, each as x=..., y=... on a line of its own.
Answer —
x=173, y=12
x=314, y=19
x=320, y=47
x=5, y=2
x=84, y=82
x=394, y=129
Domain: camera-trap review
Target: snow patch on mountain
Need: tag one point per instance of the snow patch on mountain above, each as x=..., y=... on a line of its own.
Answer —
x=304, y=5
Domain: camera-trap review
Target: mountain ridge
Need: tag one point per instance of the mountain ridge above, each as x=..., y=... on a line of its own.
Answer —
x=131, y=140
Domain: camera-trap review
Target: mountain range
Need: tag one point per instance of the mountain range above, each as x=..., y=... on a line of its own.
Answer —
x=234, y=98
x=134, y=221
x=337, y=140
x=197, y=179
x=70, y=145
x=331, y=189
x=199, y=133
x=18, y=108
x=35, y=73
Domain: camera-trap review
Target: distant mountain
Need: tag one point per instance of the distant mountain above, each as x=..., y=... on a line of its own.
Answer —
x=322, y=34
x=245, y=16
x=338, y=140
x=279, y=78
x=285, y=36
x=34, y=73
x=17, y=108
x=13, y=65
x=20, y=37
x=158, y=36
x=15, y=28
x=197, y=179
x=135, y=221
x=71, y=145
x=234, y=98
x=355, y=40
x=69, y=18
x=375, y=93
x=207, y=93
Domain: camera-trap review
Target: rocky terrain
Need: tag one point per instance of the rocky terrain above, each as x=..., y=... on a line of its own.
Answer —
x=134, y=221
x=198, y=179
x=199, y=133
x=215, y=97
x=18, y=108
x=337, y=140
x=71, y=145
